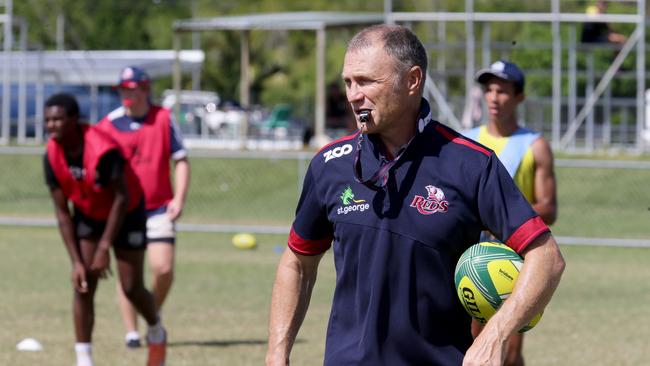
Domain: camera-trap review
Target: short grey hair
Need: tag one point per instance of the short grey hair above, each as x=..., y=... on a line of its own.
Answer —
x=399, y=42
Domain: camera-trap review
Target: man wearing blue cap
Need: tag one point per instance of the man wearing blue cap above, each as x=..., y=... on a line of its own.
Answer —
x=150, y=139
x=526, y=155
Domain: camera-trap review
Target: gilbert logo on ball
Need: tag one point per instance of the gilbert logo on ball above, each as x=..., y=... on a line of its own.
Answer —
x=485, y=276
x=244, y=241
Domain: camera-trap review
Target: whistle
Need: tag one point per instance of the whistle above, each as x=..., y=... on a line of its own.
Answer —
x=364, y=116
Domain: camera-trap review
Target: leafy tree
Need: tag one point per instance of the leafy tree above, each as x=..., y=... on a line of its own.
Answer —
x=283, y=62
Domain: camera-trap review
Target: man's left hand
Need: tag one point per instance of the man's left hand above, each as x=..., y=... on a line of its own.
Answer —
x=174, y=209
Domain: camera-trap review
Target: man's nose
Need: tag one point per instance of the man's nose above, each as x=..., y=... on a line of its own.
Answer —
x=355, y=94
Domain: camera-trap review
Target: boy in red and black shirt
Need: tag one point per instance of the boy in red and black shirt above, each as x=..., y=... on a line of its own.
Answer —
x=83, y=165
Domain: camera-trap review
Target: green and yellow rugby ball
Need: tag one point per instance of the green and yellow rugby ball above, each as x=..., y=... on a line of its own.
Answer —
x=485, y=276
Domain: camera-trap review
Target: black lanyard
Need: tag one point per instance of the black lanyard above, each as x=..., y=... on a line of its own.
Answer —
x=379, y=179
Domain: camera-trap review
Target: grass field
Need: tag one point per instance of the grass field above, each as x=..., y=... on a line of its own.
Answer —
x=610, y=203
x=218, y=310
x=224, y=191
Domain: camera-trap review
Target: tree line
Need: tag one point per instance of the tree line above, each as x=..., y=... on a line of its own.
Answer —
x=283, y=62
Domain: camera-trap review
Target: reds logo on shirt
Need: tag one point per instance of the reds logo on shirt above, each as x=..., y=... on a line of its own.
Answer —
x=434, y=202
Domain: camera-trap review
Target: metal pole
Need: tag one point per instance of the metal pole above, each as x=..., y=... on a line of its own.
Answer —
x=388, y=10
x=319, y=126
x=589, y=128
x=557, y=74
x=244, y=82
x=486, y=55
x=640, y=76
x=22, y=84
x=176, y=74
x=6, y=74
x=196, y=45
x=244, y=92
x=196, y=72
x=573, y=78
x=60, y=32
x=623, y=134
x=607, y=117
x=94, y=111
x=441, y=62
x=39, y=100
x=470, y=45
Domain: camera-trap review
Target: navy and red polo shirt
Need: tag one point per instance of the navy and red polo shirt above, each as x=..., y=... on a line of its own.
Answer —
x=395, y=248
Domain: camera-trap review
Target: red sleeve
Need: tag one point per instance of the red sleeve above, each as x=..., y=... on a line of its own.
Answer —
x=526, y=233
x=304, y=246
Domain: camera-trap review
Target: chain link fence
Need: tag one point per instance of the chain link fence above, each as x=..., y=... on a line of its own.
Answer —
x=600, y=201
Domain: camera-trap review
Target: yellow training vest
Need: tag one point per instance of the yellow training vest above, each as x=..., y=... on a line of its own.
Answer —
x=525, y=176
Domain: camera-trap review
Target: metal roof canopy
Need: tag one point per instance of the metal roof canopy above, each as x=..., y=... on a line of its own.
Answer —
x=309, y=20
x=91, y=68
x=94, y=68
x=313, y=21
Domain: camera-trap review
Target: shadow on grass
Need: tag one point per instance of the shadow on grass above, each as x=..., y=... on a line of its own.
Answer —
x=215, y=343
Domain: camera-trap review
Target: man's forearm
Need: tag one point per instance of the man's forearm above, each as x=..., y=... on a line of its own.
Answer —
x=540, y=276
x=66, y=228
x=291, y=294
x=181, y=179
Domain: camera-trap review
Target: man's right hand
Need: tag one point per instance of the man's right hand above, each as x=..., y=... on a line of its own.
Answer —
x=79, y=278
x=101, y=262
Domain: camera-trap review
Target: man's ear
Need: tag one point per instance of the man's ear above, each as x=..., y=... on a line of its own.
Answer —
x=415, y=79
x=520, y=97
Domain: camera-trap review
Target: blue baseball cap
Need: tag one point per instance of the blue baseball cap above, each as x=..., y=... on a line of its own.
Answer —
x=132, y=77
x=503, y=70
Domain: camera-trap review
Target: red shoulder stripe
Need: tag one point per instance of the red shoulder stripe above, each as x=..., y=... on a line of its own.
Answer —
x=460, y=140
x=308, y=247
x=344, y=138
x=526, y=233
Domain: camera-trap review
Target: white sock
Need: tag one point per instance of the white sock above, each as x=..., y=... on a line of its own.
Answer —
x=132, y=335
x=84, y=353
x=156, y=333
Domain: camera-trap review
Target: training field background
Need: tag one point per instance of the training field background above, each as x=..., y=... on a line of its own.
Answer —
x=218, y=310
x=603, y=198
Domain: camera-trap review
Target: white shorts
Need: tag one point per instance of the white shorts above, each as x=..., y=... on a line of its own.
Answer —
x=160, y=228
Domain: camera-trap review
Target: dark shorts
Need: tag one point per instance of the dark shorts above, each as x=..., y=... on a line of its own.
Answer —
x=132, y=234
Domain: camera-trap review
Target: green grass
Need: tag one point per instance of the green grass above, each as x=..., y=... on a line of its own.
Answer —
x=592, y=202
x=223, y=191
x=216, y=315
x=599, y=313
x=218, y=310
x=603, y=203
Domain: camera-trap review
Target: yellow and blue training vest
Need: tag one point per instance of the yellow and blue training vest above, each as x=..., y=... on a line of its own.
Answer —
x=515, y=153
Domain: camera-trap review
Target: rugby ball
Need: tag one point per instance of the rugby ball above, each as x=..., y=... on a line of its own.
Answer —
x=485, y=276
x=244, y=241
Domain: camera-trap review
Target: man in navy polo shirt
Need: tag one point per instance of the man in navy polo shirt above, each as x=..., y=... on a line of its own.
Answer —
x=401, y=200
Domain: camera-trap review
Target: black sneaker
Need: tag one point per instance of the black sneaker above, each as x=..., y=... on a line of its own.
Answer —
x=133, y=343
